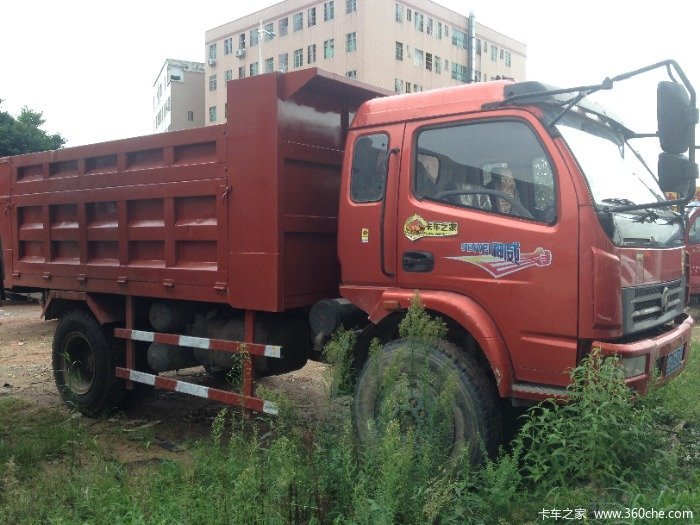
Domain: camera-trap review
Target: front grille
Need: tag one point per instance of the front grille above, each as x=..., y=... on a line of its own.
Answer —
x=652, y=305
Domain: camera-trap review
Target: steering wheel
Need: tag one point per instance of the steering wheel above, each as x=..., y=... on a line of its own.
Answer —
x=515, y=203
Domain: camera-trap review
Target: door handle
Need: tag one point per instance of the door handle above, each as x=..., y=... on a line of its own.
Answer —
x=417, y=262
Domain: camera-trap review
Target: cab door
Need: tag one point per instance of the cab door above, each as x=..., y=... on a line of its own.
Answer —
x=520, y=265
x=367, y=215
x=693, y=249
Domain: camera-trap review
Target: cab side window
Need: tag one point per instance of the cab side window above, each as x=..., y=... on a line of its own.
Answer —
x=369, y=168
x=694, y=233
x=495, y=167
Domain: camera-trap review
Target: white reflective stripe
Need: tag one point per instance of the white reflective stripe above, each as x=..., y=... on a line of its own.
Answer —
x=140, y=335
x=195, y=390
x=194, y=342
x=270, y=408
x=272, y=351
x=142, y=377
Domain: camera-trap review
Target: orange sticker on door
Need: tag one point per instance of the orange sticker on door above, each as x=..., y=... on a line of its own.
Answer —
x=417, y=227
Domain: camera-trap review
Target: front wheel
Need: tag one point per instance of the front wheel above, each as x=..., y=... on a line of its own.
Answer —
x=84, y=358
x=409, y=381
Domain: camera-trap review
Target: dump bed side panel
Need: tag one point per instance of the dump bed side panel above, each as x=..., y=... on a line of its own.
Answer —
x=143, y=216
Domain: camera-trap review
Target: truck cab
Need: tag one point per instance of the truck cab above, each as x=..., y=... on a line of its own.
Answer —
x=525, y=218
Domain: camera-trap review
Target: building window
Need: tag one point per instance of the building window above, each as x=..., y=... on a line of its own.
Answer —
x=328, y=48
x=486, y=46
x=212, y=114
x=429, y=27
x=328, y=11
x=212, y=83
x=507, y=57
x=254, y=37
x=418, y=57
x=408, y=15
x=408, y=87
x=241, y=41
x=398, y=13
x=212, y=51
x=228, y=75
x=418, y=21
x=283, y=26
x=494, y=53
x=190, y=116
x=311, y=17
x=478, y=46
x=311, y=54
x=399, y=51
x=501, y=57
x=284, y=62
x=268, y=31
x=298, y=21
x=254, y=69
x=477, y=76
x=351, y=42
x=429, y=61
x=350, y=6
x=439, y=29
x=398, y=85
x=438, y=65
x=269, y=65
x=228, y=46
x=298, y=57
x=241, y=72
x=459, y=72
x=351, y=74
x=459, y=38
x=447, y=65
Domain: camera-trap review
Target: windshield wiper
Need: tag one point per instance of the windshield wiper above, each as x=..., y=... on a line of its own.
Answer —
x=619, y=200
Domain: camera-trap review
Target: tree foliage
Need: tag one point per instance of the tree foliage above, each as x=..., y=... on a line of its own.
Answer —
x=24, y=134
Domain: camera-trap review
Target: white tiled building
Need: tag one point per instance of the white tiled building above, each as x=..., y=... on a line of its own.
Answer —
x=399, y=46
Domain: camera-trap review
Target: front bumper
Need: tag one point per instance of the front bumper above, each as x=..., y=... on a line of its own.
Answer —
x=656, y=349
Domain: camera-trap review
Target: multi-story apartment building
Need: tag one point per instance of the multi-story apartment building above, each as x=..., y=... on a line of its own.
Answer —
x=178, y=100
x=397, y=45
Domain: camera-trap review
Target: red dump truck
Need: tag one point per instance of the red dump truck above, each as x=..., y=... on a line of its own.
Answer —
x=521, y=214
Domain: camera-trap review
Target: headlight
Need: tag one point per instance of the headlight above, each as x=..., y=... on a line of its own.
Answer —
x=633, y=366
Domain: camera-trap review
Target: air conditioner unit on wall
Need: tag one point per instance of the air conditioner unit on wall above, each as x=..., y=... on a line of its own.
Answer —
x=240, y=53
x=211, y=62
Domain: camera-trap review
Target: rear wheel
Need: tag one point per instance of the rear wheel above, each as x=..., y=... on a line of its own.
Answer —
x=406, y=382
x=84, y=358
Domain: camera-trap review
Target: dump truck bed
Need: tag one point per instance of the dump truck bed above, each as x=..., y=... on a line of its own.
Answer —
x=243, y=213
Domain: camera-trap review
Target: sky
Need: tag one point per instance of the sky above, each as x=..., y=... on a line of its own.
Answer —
x=90, y=66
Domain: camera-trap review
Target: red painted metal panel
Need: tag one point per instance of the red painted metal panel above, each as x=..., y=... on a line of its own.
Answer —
x=244, y=213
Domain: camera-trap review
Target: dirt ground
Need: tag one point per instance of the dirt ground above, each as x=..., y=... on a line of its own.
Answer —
x=170, y=419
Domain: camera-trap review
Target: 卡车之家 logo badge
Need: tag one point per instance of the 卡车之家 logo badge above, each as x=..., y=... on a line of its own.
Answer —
x=503, y=258
x=416, y=227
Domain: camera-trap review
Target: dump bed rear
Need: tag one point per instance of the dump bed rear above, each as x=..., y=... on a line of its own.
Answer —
x=243, y=213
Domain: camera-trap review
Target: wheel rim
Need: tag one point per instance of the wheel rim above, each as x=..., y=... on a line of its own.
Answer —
x=77, y=363
x=416, y=409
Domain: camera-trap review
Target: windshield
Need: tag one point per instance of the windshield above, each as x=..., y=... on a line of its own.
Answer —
x=614, y=173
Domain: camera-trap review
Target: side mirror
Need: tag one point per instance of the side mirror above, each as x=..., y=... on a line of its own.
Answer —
x=675, y=116
x=677, y=174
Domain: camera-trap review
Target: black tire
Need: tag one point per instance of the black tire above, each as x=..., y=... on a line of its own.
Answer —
x=475, y=415
x=84, y=358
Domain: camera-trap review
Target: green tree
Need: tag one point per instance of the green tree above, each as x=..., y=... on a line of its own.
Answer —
x=24, y=134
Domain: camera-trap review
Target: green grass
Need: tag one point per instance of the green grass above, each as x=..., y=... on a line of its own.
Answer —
x=601, y=451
